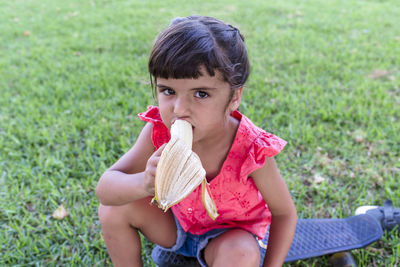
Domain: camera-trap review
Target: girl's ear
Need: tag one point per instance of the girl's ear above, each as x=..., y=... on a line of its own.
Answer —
x=237, y=97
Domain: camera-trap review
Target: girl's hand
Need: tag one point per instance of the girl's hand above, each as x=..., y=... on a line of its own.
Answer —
x=150, y=172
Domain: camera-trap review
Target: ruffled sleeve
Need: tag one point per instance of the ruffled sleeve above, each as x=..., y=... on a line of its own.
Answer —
x=263, y=146
x=160, y=133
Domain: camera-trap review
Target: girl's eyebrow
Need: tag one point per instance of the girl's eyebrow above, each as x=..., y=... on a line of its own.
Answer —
x=162, y=86
x=204, y=88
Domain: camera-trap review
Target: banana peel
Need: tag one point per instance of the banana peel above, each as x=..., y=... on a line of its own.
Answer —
x=179, y=171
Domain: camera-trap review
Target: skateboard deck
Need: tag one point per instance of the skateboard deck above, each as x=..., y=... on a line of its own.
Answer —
x=313, y=237
x=317, y=237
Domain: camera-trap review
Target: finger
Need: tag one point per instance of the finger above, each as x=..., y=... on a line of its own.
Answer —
x=152, y=171
x=160, y=150
x=152, y=191
x=153, y=161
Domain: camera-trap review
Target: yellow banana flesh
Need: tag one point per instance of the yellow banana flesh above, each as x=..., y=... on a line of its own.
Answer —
x=207, y=201
x=179, y=171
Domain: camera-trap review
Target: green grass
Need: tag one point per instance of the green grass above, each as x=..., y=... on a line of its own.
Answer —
x=71, y=86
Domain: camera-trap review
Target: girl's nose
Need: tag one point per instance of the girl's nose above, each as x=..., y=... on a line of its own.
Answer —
x=181, y=107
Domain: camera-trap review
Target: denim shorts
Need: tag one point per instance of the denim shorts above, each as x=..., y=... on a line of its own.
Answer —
x=191, y=245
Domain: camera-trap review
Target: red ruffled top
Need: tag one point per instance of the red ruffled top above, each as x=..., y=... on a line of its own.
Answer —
x=239, y=203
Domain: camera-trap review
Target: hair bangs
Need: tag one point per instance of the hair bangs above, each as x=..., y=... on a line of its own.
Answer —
x=180, y=54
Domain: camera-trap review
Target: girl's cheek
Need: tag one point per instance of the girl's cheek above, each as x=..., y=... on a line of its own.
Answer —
x=165, y=120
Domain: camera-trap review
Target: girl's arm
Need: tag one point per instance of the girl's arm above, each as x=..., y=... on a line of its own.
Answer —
x=284, y=217
x=132, y=176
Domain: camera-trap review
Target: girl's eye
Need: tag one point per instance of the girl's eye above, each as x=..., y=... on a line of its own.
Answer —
x=201, y=94
x=168, y=92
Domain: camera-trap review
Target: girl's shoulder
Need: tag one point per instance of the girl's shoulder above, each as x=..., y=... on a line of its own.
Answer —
x=256, y=137
x=253, y=145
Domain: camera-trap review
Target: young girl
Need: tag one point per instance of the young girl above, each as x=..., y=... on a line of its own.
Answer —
x=198, y=69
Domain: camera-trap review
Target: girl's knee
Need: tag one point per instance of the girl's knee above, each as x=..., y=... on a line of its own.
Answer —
x=135, y=214
x=112, y=215
x=106, y=214
x=234, y=248
x=158, y=226
x=242, y=254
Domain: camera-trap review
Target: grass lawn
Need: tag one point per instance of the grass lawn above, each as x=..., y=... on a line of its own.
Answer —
x=73, y=75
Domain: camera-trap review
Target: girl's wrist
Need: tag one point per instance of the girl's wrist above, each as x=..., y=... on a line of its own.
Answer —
x=139, y=186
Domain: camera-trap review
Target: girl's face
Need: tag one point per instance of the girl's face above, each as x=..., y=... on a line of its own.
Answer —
x=204, y=102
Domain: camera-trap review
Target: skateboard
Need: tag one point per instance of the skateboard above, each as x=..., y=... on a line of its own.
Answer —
x=316, y=237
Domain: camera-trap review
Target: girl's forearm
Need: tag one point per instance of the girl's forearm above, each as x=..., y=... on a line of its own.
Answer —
x=118, y=188
x=280, y=238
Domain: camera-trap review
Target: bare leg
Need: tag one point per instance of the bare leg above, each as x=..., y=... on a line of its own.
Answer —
x=120, y=225
x=234, y=248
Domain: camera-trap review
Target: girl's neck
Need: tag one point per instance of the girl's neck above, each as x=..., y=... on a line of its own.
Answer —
x=214, y=151
x=223, y=136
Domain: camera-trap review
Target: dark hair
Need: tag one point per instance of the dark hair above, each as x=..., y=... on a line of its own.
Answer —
x=192, y=42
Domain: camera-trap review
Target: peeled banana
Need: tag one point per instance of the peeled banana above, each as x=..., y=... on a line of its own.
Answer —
x=179, y=171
